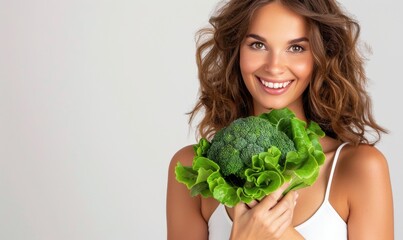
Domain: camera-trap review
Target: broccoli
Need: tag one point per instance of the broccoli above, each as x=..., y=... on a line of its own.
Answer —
x=254, y=156
x=232, y=147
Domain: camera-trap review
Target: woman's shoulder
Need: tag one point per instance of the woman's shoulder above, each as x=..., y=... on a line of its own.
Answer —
x=362, y=160
x=363, y=178
x=184, y=156
x=184, y=217
x=363, y=170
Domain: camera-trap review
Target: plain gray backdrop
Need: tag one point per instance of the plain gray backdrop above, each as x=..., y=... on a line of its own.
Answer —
x=93, y=96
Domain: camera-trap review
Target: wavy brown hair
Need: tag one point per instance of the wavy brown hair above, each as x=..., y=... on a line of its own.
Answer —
x=336, y=98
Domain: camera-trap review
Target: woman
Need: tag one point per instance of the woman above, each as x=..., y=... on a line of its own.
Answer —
x=262, y=55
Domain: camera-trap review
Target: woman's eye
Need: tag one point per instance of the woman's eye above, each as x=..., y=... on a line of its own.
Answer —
x=257, y=45
x=296, y=49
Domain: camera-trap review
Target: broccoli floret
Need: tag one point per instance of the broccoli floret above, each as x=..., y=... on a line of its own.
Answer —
x=232, y=147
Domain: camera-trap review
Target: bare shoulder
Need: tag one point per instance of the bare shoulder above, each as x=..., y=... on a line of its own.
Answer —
x=364, y=175
x=363, y=167
x=363, y=162
x=184, y=217
x=184, y=156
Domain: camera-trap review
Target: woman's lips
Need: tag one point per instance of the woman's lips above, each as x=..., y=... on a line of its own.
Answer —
x=275, y=87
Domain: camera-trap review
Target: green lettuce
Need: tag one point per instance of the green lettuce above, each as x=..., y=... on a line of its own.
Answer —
x=263, y=172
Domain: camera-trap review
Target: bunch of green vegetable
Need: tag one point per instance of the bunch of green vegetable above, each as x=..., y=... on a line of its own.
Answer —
x=253, y=157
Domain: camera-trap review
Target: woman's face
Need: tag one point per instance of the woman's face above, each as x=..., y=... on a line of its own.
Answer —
x=275, y=59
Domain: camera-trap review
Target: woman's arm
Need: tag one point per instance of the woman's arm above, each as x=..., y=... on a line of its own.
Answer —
x=184, y=218
x=370, y=195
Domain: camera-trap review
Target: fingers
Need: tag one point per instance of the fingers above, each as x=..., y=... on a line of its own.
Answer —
x=269, y=217
x=282, y=222
x=271, y=200
x=275, y=203
x=240, y=209
x=252, y=203
x=281, y=214
x=285, y=207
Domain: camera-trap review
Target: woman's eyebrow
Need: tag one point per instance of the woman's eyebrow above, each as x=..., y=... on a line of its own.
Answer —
x=297, y=40
x=262, y=39
x=257, y=37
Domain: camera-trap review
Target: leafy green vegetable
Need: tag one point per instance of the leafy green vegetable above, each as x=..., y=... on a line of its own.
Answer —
x=253, y=157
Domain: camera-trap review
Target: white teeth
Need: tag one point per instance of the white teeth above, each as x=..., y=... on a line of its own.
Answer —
x=275, y=85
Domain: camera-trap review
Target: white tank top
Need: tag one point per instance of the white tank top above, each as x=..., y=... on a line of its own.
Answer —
x=325, y=223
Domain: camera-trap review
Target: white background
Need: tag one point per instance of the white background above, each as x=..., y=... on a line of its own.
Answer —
x=93, y=96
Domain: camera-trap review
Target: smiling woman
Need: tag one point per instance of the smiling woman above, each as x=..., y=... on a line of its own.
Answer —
x=262, y=55
x=275, y=58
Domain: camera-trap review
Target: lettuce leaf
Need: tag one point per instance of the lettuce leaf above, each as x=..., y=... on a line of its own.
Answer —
x=267, y=171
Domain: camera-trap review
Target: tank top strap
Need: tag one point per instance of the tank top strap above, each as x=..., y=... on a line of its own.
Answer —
x=329, y=182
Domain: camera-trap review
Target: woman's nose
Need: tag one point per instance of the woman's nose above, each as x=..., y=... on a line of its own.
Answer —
x=275, y=63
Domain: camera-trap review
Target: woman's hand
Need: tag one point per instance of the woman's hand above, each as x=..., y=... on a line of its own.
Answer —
x=267, y=219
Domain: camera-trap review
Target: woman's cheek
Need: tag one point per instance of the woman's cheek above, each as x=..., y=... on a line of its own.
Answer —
x=250, y=62
x=302, y=67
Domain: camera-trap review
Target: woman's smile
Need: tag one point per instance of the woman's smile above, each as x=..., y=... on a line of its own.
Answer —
x=274, y=87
